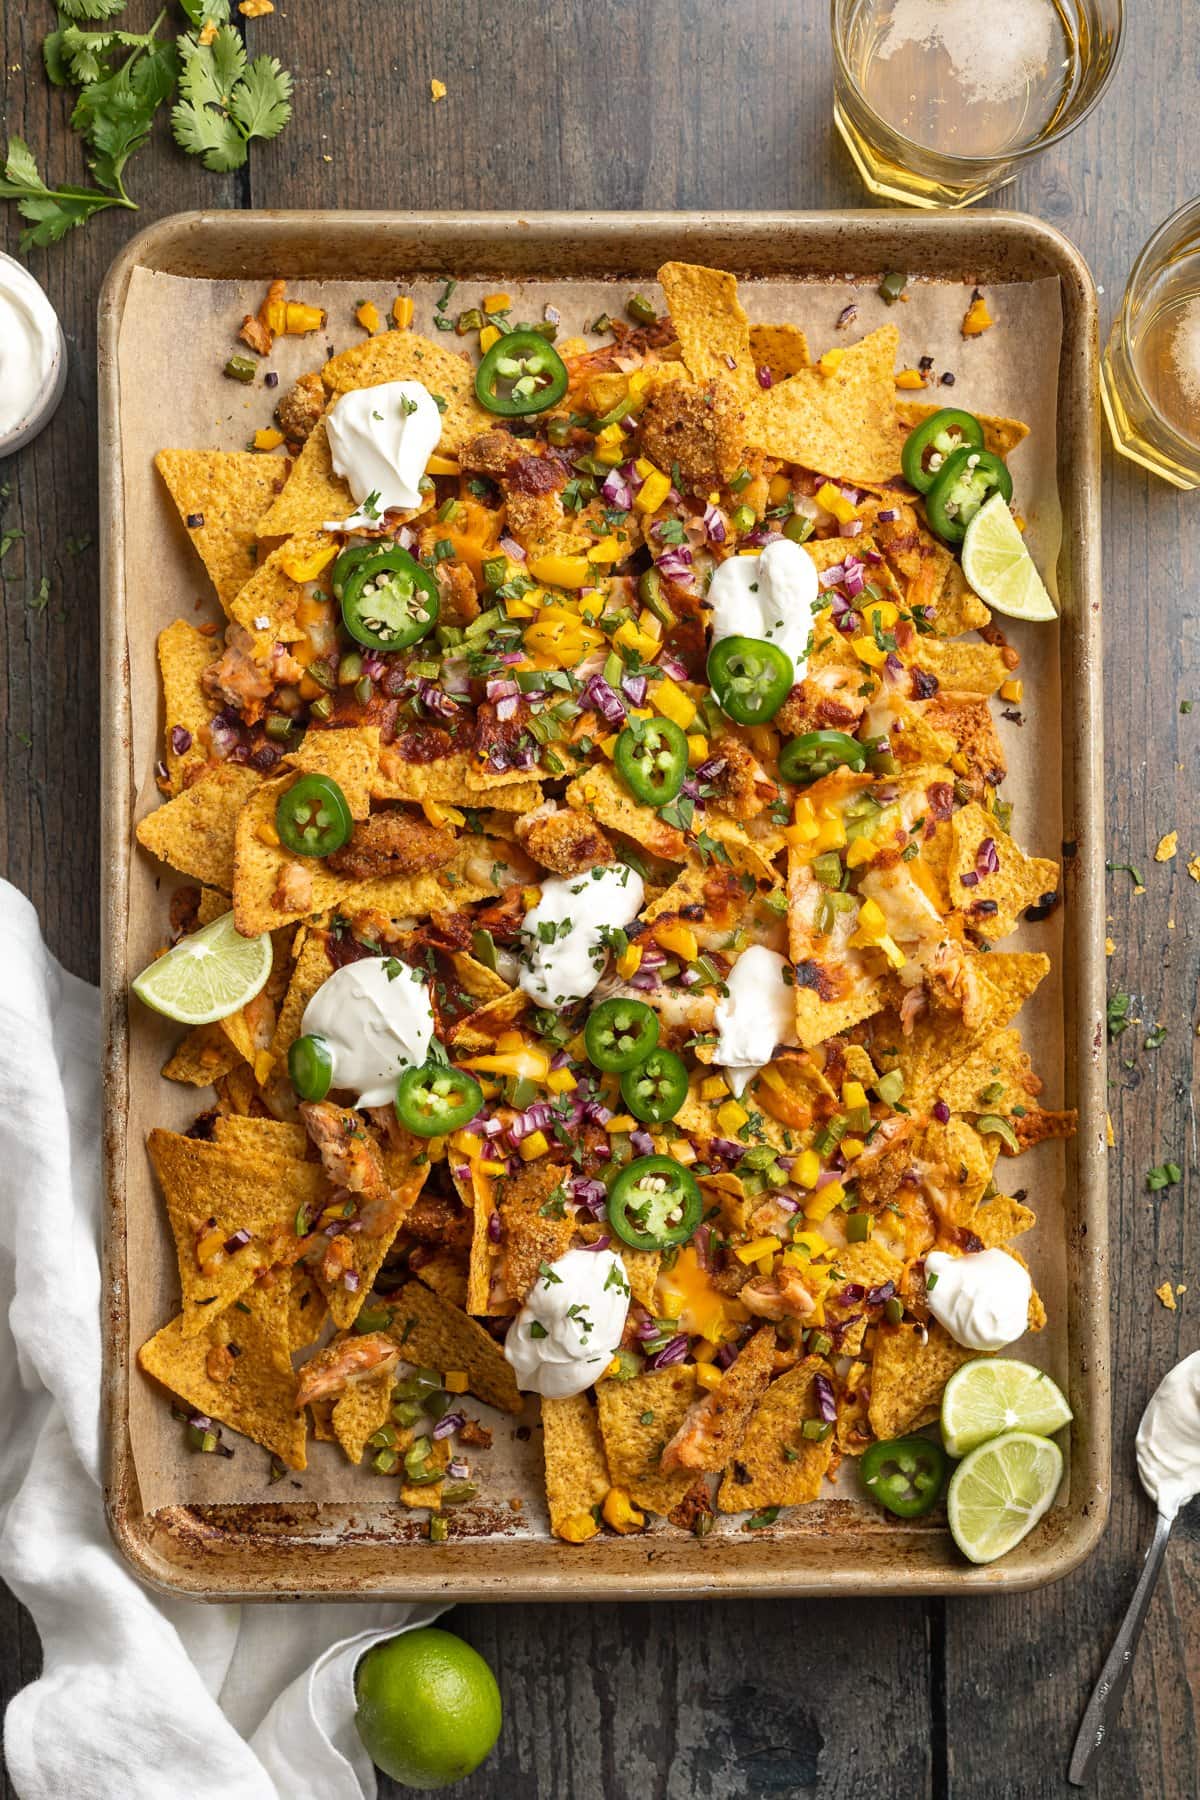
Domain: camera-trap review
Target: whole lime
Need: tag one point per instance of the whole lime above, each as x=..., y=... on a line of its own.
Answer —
x=428, y=1708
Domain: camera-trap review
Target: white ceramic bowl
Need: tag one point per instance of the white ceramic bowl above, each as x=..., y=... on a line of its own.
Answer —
x=44, y=402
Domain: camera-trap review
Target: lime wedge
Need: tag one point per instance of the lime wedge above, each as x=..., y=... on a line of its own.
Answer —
x=996, y=1394
x=1000, y=568
x=998, y=1493
x=208, y=975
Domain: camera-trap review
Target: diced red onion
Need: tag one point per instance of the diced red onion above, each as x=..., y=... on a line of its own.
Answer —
x=500, y=688
x=828, y=578
x=238, y=1241
x=702, y=1245
x=181, y=739
x=645, y=981
x=435, y=701
x=161, y=772
x=671, y=665
x=447, y=1425
x=970, y=879
x=616, y=490
x=847, y=316
x=590, y=1193
x=711, y=768
x=689, y=978
x=551, y=315
x=725, y=1355
x=879, y=1296
x=690, y=788
x=729, y=361
x=670, y=1355
x=604, y=699
x=406, y=537
x=493, y=1228
x=872, y=556
x=850, y=528
x=351, y=1281
x=676, y=565
x=652, y=957
x=506, y=709
x=987, y=857
x=458, y=1470
x=714, y=524
x=597, y=1112
x=892, y=665
x=886, y=514
x=851, y=1294
x=725, y=1150
x=824, y=1179
x=642, y=1142
x=559, y=1060
x=511, y=548
x=854, y=580
x=849, y=623
x=941, y=1112
x=462, y=1172
x=826, y=1404
x=601, y=1243
x=765, y=377
x=635, y=687
x=851, y=494
x=787, y=1202
x=646, y=1328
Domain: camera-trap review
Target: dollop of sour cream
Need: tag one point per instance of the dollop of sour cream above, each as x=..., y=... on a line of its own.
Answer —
x=564, y=933
x=772, y=596
x=1168, y=1439
x=380, y=439
x=376, y=1017
x=570, y=1325
x=982, y=1299
x=30, y=353
x=757, y=1013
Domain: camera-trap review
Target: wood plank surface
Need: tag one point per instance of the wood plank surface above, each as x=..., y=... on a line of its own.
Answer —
x=643, y=103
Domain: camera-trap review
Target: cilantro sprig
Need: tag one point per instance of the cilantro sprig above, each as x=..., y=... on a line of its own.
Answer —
x=225, y=100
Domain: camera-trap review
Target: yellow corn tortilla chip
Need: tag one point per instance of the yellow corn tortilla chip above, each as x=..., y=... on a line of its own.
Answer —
x=1020, y=881
x=477, y=980
x=841, y=424
x=446, y=1275
x=961, y=668
x=908, y=1372
x=237, y=1092
x=969, y=721
x=1000, y=436
x=956, y=606
x=195, y=831
x=255, y=1396
x=638, y=1419
x=1001, y=1219
x=940, y=1044
x=364, y=1407
x=311, y=968
x=242, y=1189
x=712, y=328
x=781, y=348
x=529, y=1239
x=406, y=356
x=229, y=490
x=263, y=1137
x=204, y=1055
x=776, y=1430
x=183, y=655
x=600, y=793
x=212, y=904
x=381, y=1221
x=576, y=1469
x=306, y=1309
x=440, y=1337
x=322, y=1419
x=348, y=756
x=312, y=495
x=852, y=1433
x=817, y=1019
x=749, y=855
x=866, y=1265
x=484, y=1253
x=997, y=1077
x=641, y=1272
x=477, y=1033
x=454, y=780
x=266, y=606
x=725, y=1410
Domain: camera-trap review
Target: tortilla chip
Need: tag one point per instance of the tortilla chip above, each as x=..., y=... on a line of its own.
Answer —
x=266, y=606
x=601, y=794
x=956, y=606
x=908, y=1373
x=455, y=780
x=312, y=495
x=479, y=1194
x=754, y=856
x=1001, y=1219
x=310, y=970
x=446, y=1274
x=638, y=1419
x=713, y=330
x=195, y=831
x=477, y=1034
x=440, y=1337
x=1020, y=881
x=775, y=1431
x=576, y=1469
x=725, y=1410
x=477, y=980
x=204, y=1055
x=238, y=1092
x=641, y=1272
x=961, y=668
x=242, y=1188
x=941, y=1043
x=229, y=490
x=183, y=655
x=973, y=728
x=914, y=738
x=362, y=1408
x=349, y=756
x=212, y=904
x=997, y=1077
x=406, y=356
x=306, y=1309
x=781, y=348
x=852, y=1433
x=257, y=1397
x=262, y=1137
x=1000, y=436
x=322, y=1419
x=842, y=424
x=382, y=1220
x=528, y=1238
x=817, y=1019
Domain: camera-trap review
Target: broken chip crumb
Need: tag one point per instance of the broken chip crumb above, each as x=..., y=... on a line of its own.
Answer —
x=256, y=9
x=1109, y=1135
x=437, y=89
x=1193, y=867
x=1166, y=1294
x=1166, y=847
x=977, y=318
x=1109, y=946
x=208, y=34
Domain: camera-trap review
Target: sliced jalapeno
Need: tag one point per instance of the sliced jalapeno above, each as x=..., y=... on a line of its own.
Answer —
x=313, y=817
x=310, y=1065
x=655, y=1090
x=620, y=1034
x=388, y=600
x=967, y=479
x=521, y=374
x=651, y=756
x=436, y=1098
x=927, y=448
x=806, y=759
x=905, y=1474
x=654, y=1203
x=750, y=678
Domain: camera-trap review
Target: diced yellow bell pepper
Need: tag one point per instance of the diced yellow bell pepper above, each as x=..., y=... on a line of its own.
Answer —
x=561, y=637
x=438, y=813
x=455, y=1381
x=671, y=1305
x=526, y=1061
x=978, y=319
x=1012, y=690
x=713, y=1087
x=868, y=651
x=862, y=851
x=851, y=1147
x=834, y=501
x=607, y=550
x=442, y=465
x=578, y=1528
x=669, y=699
x=494, y=303
x=758, y=1247
x=367, y=315
x=678, y=940
x=708, y=1375
x=819, y=1205
x=307, y=568
x=561, y=1081
x=402, y=311
x=300, y=320
x=536, y=1144
x=806, y=1168
x=652, y=492
x=831, y=835
x=697, y=749
x=560, y=571
x=892, y=951
x=810, y=1243
x=871, y=922
x=267, y=438
x=629, y=961
x=731, y=1116
x=520, y=606
x=493, y=1168
x=910, y=380
x=491, y=334
x=628, y=637
x=829, y=362
x=779, y=489
x=622, y=1122
x=886, y=612
x=682, y=1150
x=620, y=1512
x=853, y=1094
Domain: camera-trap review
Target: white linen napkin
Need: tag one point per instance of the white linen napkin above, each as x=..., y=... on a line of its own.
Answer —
x=141, y=1697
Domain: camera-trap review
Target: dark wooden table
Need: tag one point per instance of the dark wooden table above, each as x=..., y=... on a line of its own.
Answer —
x=703, y=104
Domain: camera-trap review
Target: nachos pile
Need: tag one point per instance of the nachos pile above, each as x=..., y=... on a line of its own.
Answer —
x=605, y=740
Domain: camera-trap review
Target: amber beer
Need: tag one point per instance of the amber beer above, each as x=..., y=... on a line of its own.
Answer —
x=1151, y=369
x=941, y=101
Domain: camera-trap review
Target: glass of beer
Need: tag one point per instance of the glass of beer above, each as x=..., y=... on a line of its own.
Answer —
x=942, y=101
x=1150, y=375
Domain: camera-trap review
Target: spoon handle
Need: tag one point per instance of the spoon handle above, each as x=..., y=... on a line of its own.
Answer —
x=1105, y=1703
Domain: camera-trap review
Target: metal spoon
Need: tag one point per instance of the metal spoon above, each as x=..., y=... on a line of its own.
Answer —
x=1168, y=1443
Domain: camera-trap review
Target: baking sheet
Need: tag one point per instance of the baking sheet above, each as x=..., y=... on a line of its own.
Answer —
x=176, y=333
